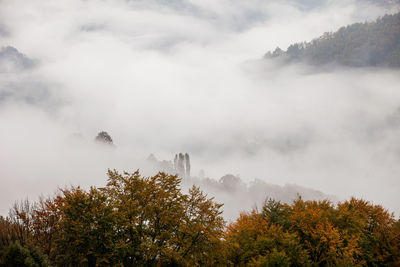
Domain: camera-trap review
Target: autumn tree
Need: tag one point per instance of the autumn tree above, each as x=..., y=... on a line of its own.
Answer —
x=85, y=233
x=315, y=233
x=326, y=244
x=44, y=222
x=160, y=224
x=16, y=227
x=378, y=235
x=132, y=221
x=253, y=240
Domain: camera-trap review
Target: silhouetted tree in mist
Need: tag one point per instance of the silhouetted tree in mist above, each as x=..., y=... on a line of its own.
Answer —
x=187, y=165
x=104, y=137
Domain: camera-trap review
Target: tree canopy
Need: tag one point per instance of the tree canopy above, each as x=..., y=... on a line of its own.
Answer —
x=315, y=233
x=132, y=221
x=148, y=221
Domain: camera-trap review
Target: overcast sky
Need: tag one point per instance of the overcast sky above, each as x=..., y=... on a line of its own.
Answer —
x=186, y=76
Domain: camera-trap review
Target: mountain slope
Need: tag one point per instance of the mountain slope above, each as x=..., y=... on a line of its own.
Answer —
x=358, y=45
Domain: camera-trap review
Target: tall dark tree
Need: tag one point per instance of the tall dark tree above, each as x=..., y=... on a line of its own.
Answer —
x=181, y=165
x=187, y=165
x=176, y=162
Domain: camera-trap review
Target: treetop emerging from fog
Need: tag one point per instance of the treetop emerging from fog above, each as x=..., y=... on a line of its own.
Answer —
x=104, y=137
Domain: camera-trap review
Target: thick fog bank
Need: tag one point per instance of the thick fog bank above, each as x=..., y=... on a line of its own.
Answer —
x=168, y=76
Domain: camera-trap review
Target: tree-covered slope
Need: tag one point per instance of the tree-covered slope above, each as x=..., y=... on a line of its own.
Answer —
x=358, y=45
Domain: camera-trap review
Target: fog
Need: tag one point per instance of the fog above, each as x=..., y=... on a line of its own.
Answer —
x=163, y=77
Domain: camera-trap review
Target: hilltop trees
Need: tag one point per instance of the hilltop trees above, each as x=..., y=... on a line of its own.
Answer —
x=104, y=137
x=358, y=45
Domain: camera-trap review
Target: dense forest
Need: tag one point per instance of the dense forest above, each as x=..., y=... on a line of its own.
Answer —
x=149, y=221
x=358, y=45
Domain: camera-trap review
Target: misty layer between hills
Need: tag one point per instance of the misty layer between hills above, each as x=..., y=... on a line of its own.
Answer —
x=236, y=195
x=168, y=76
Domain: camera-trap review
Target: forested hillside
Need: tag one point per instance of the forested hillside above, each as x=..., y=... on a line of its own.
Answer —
x=358, y=45
x=148, y=221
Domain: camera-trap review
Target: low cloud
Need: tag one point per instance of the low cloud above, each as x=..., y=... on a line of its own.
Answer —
x=163, y=77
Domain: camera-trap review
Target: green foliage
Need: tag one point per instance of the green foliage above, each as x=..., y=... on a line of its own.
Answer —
x=159, y=224
x=276, y=259
x=276, y=212
x=358, y=45
x=17, y=256
x=84, y=233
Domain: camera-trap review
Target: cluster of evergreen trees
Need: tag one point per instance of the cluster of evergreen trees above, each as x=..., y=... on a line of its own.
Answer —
x=148, y=221
x=358, y=45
